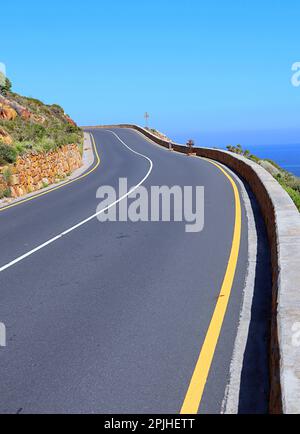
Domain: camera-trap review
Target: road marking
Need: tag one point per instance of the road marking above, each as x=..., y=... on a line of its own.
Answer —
x=230, y=404
x=196, y=387
x=57, y=237
x=59, y=186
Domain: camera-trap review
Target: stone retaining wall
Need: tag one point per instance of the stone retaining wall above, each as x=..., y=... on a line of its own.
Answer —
x=283, y=226
x=37, y=170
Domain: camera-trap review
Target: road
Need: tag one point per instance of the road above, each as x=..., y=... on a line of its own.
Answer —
x=111, y=317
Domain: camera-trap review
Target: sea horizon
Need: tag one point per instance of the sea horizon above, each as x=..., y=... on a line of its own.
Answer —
x=286, y=156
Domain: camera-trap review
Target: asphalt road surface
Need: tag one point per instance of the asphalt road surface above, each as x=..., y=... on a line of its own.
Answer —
x=111, y=317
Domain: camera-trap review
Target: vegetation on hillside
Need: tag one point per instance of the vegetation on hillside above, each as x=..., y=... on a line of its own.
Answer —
x=29, y=125
x=157, y=133
x=5, y=84
x=288, y=181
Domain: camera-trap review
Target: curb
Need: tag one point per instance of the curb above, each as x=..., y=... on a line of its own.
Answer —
x=282, y=221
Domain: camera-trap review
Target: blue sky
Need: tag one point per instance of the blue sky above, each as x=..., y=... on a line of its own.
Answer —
x=217, y=71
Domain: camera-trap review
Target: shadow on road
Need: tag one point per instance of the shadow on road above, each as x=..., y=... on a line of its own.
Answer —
x=254, y=388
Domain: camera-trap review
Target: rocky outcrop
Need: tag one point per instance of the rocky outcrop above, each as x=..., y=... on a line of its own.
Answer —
x=5, y=137
x=70, y=121
x=37, y=118
x=18, y=108
x=35, y=171
x=269, y=167
x=12, y=105
x=7, y=113
x=9, y=110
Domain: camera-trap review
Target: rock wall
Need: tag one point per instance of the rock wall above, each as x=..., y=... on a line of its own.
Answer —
x=37, y=170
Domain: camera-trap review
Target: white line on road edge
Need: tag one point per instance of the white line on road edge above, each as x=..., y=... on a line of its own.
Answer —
x=57, y=237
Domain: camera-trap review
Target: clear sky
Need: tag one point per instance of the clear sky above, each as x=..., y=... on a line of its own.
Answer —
x=215, y=70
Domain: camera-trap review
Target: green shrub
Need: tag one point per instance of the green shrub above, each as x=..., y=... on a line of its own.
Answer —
x=47, y=144
x=7, y=154
x=71, y=128
x=57, y=108
x=294, y=183
x=7, y=175
x=5, y=85
x=5, y=193
x=295, y=195
x=22, y=147
x=28, y=136
x=254, y=158
x=21, y=130
x=289, y=182
x=34, y=101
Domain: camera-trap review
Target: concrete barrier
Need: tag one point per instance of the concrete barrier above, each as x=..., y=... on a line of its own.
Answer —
x=282, y=221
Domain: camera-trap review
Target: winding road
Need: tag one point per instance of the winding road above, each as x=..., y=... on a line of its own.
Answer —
x=121, y=317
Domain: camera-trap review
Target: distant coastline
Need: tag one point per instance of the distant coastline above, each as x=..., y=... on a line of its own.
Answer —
x=286, y=156
x=282, y=161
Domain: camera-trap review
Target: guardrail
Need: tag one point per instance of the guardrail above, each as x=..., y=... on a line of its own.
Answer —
x=282, y=221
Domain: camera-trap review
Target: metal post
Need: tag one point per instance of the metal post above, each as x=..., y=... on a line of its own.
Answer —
x=146, y=116
x=190, y=145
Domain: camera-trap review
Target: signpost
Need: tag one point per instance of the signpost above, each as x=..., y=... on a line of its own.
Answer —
x=190, y=145
x=146, y=116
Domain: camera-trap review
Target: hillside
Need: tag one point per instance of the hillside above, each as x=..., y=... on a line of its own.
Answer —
x=288, y=181
x=39, y=144
x=158, y=134
x=28, y=125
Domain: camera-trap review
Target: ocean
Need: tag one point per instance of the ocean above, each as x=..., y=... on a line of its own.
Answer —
x=287, y=156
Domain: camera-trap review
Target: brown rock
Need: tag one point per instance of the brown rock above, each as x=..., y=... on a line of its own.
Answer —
x=70, y=121
x=5, y=137
x=13, y=192
x=34, y=171
x=38, y=119
x=21, y=190
x=16, y=107
x=14, y=180
x=25, y=114
x=7, y=113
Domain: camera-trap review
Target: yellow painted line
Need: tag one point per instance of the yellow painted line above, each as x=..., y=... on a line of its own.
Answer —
x=196, y=387
x=198, y=381
x=61, y=185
